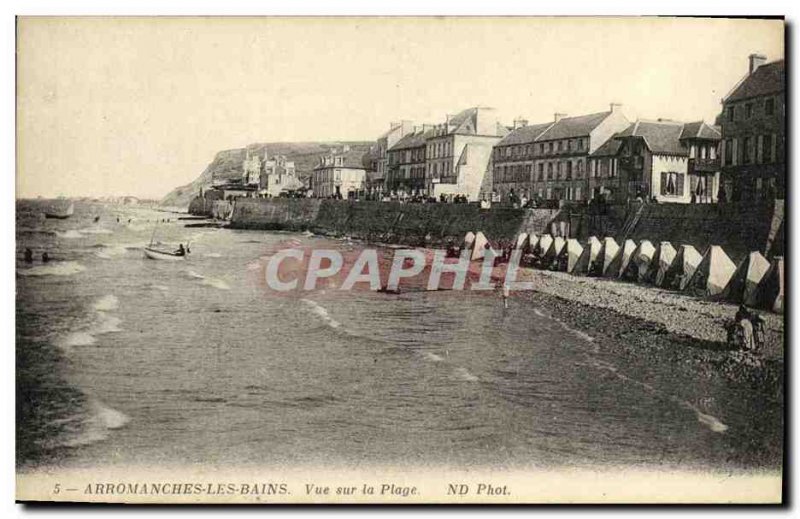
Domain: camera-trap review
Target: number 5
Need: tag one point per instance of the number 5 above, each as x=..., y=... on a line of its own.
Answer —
x=57, y=488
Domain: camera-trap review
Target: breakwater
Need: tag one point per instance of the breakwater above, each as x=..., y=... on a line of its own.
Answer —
x=388, y=222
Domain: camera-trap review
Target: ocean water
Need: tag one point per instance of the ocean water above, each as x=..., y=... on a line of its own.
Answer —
x=123, y=360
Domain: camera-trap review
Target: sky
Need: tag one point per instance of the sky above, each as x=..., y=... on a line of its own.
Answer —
x=138, y=106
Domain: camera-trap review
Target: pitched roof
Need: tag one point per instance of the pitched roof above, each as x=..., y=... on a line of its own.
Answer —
x=662, y=137
x=766, y=79
x=524, y=135
x=465, y=122
x=700, y=130
x=412, y=140
x=352, y=159
x=608, y=148
x=570, y=127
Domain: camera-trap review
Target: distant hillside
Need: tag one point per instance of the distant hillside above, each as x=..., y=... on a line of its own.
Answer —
x=227, y=164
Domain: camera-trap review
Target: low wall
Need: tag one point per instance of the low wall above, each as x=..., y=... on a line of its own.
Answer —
x=390, y=222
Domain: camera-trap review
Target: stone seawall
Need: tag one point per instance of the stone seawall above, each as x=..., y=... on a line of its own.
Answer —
x=412, y=224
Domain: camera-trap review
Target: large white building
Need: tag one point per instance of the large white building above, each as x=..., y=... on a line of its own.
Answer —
x=339, y=174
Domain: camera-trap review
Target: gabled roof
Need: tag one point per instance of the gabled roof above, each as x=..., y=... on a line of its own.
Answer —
x=524, y=135
x=352, y=159
x=766, y=79
x=412, y=140
x=661, y=137
x=609, y=148
x=466, y=122
x=700, y=130
x=570, y=127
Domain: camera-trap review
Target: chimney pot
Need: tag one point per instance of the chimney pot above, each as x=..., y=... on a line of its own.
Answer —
x=615, y=106
x=558, y=116
x=756, y=60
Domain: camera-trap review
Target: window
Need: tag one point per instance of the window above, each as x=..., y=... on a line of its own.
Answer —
x=549, y=171
x=550, y=147
x=612, y=168
x=769, y=106
x=581, y=144
x=747, y=155
x=671, y=183
x=766, y=154
x=541, y=149
x=580, y=169
x=569, y=170
x=541, y=172
x=560, y=170
x=729, y=152
x=731, y=113
x=560, y=145
x=748, y=110
x=569, y=145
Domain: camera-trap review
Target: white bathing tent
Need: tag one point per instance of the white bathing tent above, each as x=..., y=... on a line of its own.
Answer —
x=662, y=261
x=521, y=241
x=640, y=261
x=620, y=263
x=608, y=253
x=683, y=266
x=769, y=293
x=744, y=282
x=570, y=254
x=712, y=275
x=479, y=247
x=545, y=242
x=588, y=256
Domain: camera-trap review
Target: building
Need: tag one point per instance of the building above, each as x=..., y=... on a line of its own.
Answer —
x=339, y=174
x=668, y=161
x=512, y=160
x=753, y=122
x=376, y=179
x=458, y=153
x=549, y=161
x=406, y=163
x=604, y=179
x=278, y=175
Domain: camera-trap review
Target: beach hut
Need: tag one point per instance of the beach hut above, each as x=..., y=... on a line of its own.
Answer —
x=588, y=257
x=769, y=293
x=608, y=253
x=479, y=247
x=665, y=255
x=744, y=282
x=620, y=263
x=521, y=241
x=469, y=240
x=570, y=254
x=712, y=274
x=640, y=262
x=545, y=241
x=682, y=268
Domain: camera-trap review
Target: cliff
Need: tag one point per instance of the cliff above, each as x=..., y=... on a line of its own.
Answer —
x=227, y=164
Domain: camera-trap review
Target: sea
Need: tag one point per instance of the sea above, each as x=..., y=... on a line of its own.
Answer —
x=122, y=360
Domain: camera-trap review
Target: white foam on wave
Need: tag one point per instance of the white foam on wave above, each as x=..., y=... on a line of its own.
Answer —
x=464, y=374
x=78, y=339
x=322, y=312
x=432, y=356
x=95, y=230
x=194, y=275
x=59, y=268
x=212, y=255
x=106, y=324
x=106, y=303
x=216, y=283
x=538, y=312
x=70, y=235
x=111, y=252
x=159, y=287
x=97, y=426
x=706, y=419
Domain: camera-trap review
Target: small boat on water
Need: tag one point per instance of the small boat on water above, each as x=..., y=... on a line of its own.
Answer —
x=159, y=254
x=60, y=211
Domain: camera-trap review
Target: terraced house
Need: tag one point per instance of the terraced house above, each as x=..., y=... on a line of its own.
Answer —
x=406, y=164
x=339, y=174
x=458, y=153
x=557, y=153
x=753, y=124
x=378, y=167
x=668, y=161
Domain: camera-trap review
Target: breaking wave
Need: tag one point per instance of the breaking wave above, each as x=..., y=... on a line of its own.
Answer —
x=70, y=235
x=216, y=283
x=96, y=427
x=60, y=268
x=464, y=374
x=322, y=313
x=106, y=303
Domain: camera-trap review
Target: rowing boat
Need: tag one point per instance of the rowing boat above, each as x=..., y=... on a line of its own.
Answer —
x=157, y=254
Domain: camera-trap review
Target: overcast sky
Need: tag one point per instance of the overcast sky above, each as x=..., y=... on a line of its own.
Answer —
x=140, y=106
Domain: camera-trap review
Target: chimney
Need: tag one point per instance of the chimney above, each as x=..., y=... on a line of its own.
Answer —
x=345, y=148
x=519, y=123
x=615, y=107
x=393, y=126
x=557, y=116
x=756, y=60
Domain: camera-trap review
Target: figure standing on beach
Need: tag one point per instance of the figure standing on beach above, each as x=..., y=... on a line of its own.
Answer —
x=28, y=255
x=506, y=294
x=45, y=257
